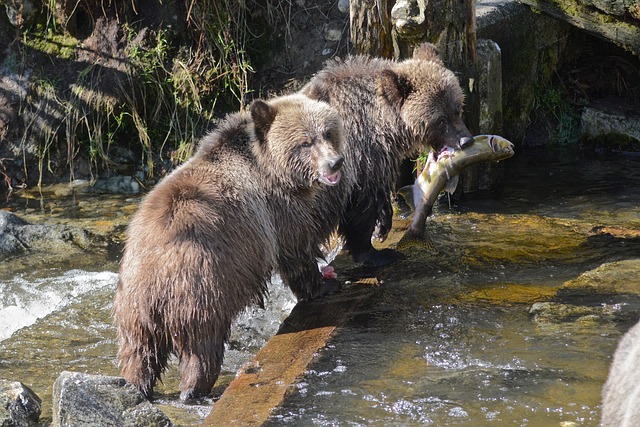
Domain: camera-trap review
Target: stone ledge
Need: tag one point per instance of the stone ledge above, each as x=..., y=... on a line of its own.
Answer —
x=621, y=29
x=610, y=116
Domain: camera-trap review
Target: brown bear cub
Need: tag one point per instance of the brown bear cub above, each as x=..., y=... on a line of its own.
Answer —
x=391, y=110
x=205, y=241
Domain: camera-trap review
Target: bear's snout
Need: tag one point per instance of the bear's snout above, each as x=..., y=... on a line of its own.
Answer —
x=330, y=174
x=336, y=163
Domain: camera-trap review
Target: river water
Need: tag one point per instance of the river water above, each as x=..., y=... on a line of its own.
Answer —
x=478, y=331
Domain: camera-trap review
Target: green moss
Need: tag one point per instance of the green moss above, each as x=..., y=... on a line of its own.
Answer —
x=57, y=45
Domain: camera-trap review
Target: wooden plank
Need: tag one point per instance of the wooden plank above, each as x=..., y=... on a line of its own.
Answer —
x=262, y=384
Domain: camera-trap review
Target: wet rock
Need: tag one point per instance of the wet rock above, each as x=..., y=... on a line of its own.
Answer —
x=610, y=292
x=18, y=236
x=19, y=405
x=77, y=186
x=620, y=277
x=555, y=312
x=611, y=119
x=98, y=400
x=118, y=185
x=9, y=243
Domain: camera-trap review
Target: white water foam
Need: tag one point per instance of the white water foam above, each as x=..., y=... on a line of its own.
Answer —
x=23, y=301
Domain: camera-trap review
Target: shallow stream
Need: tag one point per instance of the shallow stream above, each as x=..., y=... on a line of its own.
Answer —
x=450, y=337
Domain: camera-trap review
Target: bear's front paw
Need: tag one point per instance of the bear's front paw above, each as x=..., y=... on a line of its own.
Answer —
x=191, y=394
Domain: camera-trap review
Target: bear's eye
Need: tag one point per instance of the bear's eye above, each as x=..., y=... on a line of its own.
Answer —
x=327, y=135
x=306, y=143
x=442, y=122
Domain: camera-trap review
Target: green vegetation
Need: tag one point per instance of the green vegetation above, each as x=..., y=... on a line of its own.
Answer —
x=156, y=100
x=564, y=115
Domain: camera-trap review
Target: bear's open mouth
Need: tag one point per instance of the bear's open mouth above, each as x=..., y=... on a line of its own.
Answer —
x=330, y=179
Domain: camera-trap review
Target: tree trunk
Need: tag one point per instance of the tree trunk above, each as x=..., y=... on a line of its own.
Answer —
x=371, y=27
x=451, y=26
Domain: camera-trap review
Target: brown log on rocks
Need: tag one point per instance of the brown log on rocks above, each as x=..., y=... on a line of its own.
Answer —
x=260, y=386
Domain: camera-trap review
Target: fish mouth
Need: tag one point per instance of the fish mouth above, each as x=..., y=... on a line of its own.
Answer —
x=444, y=152
x=330, y=178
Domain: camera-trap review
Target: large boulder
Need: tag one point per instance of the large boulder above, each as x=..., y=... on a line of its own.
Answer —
x=101, y=401
x=19, y=405
x=17, y=236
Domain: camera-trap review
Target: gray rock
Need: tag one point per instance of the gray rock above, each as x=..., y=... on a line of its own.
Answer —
x=608, y=293
x=333, y=31
x=343, y=6
x=101, y=401
x=19, y=405
x=612, y=278
x=490, y=86
x=555, y=312
x=118, y=185
x=408, y=19
x=18, y=236
x=21, y=13
x=9, y=243
x=605, y=19
x=610, y=117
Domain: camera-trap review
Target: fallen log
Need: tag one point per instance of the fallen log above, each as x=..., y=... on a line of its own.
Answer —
x=261, y=385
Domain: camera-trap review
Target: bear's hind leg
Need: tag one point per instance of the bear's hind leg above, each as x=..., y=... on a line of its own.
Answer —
x=199, y=370
x=142, y=366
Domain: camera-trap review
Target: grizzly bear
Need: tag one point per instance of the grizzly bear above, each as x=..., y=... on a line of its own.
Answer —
x=621, y=392
x=205, y=241
x=391, y=110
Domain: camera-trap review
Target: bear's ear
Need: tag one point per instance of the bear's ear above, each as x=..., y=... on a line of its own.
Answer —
x=427, y=52
x=316, y=91
x=263, y=116
x=394, y=88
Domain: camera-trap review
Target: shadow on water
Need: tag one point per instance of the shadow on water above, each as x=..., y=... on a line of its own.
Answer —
x=502, y=324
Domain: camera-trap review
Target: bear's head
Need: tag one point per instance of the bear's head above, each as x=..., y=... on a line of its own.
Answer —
x=428, y=99
x=299, y=141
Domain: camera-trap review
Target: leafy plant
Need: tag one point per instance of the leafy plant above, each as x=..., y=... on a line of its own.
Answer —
x=554, y=102
x=169, y=92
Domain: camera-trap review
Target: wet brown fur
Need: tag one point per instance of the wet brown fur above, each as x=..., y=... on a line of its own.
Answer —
x=621, y=392
x=206, y=239
x=391, y=110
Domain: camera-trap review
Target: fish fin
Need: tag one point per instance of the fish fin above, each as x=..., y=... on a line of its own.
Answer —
x=452, y=184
